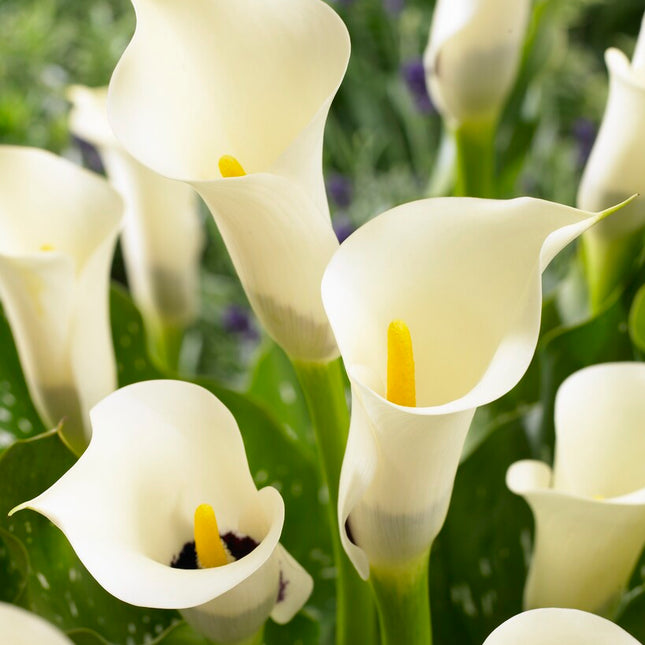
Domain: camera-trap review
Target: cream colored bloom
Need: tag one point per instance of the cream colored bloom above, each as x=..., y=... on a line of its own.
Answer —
x=472, y=56
x=21, y=627
x=161, y=238
x=166, y=447
x=590, y=509
x=559, y=627
x=58, y=228
x=206, y=79
x=613, y=171
x=464, y=275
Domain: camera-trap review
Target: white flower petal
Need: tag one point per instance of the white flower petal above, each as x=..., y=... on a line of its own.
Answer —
x=590, y=516
x=162, y=237
x=296, y=586
x=613, y=172
x=600, y=442
x=182, y=97
x=58, y=226
x=175, y=447
x=472, y=303
x=473, y=54
x=21, y=627
x=279, y=256
x=559, y=626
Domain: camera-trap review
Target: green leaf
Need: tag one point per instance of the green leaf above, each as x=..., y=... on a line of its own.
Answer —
x=636, y=322
x=18, y=417
x=56, y=585
x=274, y=383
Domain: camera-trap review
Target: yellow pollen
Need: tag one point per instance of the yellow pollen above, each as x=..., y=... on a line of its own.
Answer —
x=208, y=544
x=230, y=167
x=401, y=387
x=46, y=247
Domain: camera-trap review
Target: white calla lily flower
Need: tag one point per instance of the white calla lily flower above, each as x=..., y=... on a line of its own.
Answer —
x=58, y=227
x=590, y=509
x=472, y=56
x=613, y=172
x=232, y=97
x=464, y=275
x=176, y=447
x=161, y=237
x=558, y=626
x=20, y=627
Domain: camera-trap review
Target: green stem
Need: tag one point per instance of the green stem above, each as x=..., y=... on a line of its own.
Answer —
x=403, y=602
x=164, y=343
x=608, y=263
x=475, y=159
x=324, y=388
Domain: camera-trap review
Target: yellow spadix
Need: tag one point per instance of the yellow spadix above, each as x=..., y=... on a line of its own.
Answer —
x=208, y=544
x=401, y=386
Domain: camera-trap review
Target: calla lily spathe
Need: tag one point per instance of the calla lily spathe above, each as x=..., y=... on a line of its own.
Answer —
x=161, y=238
x=472, y=57
x=166, y=447
x=58, y=227
x=206, y=79
x=20, y=627
x=557, y=627
x=464, y=275
x=590, y=509
x=613, y=171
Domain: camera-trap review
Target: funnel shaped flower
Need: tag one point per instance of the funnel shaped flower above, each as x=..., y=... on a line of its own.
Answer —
x=590, y=510
x=161, y=233
x=464, y=275
x=613, y=172
x=58, y=226
x=175, y=447
x=21, y=627
x=472, y=56
x=558, y=626
x=232, y=97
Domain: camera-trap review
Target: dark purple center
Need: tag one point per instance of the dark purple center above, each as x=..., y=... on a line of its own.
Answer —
x=238, y=546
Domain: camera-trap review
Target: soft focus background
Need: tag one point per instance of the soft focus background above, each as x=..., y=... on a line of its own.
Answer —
x=383, y=147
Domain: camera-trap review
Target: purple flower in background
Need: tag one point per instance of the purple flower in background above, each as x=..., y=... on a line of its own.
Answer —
x=340, y=190
x=415, y=79
x=343, y=228
x=89, y=154
x=584, y=132
x=237, y=320
x=394, y=7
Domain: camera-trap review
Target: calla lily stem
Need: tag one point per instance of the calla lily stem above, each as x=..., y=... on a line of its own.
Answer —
x=475, y=159
x=324, y=388
x=164, y=343
x=403, y=602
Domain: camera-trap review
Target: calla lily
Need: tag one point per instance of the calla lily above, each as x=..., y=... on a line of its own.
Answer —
x=613, y=172
x=21, y=627
x=464, y=275
x=175, y=447
x=590, y=509
x=472, y=56
x=161, y=237
x=232, y=97
x=58, y=228
x=557, y=626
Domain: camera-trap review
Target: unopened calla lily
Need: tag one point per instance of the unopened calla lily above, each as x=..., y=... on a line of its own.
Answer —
x=590, y=509
x=559, y=626
x=177, y=449
x=161, y=238
x=472, y=57
x=232, y=97
x=613, y=172
x=59, y=225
